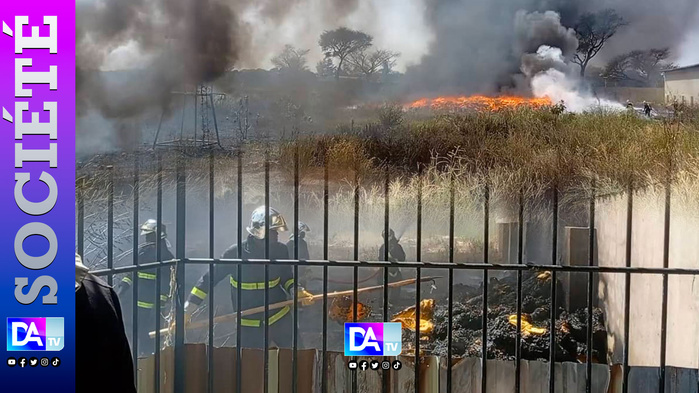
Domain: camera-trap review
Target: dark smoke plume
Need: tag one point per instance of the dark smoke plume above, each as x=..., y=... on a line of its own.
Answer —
x=473, y=47
x=186, y=41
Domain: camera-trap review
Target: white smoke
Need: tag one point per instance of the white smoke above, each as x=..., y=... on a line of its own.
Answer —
x=559, y=84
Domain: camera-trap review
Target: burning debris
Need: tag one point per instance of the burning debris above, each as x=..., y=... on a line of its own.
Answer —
x=570, y=329
x=407, y=318
x=342, y=310
x=478, y=103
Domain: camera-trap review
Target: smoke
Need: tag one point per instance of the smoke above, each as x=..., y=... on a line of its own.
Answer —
x=551, y=76
x=472, y=51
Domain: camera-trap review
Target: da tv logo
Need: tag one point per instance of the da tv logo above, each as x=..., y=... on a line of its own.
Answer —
x=34, y=334
x=373, y=339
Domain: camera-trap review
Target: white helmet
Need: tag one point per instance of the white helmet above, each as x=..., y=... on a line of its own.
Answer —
x=257, y=222
x=151, y=226
x=303, y=227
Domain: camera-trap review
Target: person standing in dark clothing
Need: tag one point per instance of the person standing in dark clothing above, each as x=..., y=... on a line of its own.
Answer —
x=303, y=246
x=102, y=354
x=395, y=254
x=647, y=109
x=252, y=283
x=148, y=253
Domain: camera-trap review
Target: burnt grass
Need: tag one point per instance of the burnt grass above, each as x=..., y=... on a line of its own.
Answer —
x=571, y=327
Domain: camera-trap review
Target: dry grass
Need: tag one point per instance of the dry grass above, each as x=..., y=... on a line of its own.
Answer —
x=521, y=151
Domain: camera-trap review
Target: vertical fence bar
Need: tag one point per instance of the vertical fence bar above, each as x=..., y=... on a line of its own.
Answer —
x=554, y=283
x=451, y=281
x=265, y=322
x=355, y=273
x=212, y=303
x=590, y=289
x=418, y=276
x=81, y=216
x=134, y=245
x=110, y=224
x=666, y=264
x=386, y=230
x=627, y=288
x=159, y=257
x=520, y=256
x=324, y=377
x=295, y=329
x=180, y=297
x=238, y=297
x=484, y=327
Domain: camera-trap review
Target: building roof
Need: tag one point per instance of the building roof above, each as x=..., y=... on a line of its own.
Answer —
x=685, y=68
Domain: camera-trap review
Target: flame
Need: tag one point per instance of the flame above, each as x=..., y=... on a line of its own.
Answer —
x=527, y=327
x=478, y=102
x=407, y=317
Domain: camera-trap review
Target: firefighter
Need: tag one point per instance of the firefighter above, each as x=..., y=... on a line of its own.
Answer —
x=395, y=254
x=303, y=246
x=252, y=283
x=647, y=109
x=148, y=253
x=629, y=104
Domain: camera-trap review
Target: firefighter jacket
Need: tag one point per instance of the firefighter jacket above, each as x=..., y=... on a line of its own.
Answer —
x=395, y=254
x=148, y=253
x=252, y=281
x=103, y=360
x=303, y=247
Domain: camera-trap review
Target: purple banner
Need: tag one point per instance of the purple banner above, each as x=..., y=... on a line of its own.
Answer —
x=37, y=195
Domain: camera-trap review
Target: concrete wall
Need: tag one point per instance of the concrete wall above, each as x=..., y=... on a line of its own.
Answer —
x=646, y=290
x=682, y=86
x=634, y=94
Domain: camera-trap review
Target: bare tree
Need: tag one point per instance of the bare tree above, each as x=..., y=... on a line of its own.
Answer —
x=639, y=67
x=368, y=64
x=593, y=32
x=291, y=59
x=341, y=43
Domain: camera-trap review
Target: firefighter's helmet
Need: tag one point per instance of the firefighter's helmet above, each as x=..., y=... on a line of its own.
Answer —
x=151, y=226
x=303, y=227
x=391, y=234
x=257, y=222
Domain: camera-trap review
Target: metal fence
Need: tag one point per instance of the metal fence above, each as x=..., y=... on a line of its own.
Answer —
x=485, y=267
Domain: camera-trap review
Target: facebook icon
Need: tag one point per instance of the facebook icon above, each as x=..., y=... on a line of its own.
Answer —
x=373, y=338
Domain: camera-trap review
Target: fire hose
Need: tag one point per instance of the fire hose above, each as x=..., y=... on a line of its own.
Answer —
x=275, y=306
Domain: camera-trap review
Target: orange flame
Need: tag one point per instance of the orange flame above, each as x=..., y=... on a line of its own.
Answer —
x=478, y=102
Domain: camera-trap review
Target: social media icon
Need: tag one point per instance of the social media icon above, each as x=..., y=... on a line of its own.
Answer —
x=33, y=362
x=56, y=362
x=11, y=362
x=375, y=364
x=34, y=334
x=397, y=365
x=44, y=362
x=363, y=364
x=352, y=365
x=385, y=365
x=22, y=362
x=373, y=338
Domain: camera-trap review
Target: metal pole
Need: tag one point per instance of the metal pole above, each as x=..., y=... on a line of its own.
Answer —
x=212, y=267
x=134, y=234
x=180, y=296
x=520, y=256
x=554, y=282
x=484, y=327
x=159, y=257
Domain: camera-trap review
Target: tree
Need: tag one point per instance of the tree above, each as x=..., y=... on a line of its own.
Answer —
x=368, y=64
x=325, y=68
x=291, y=59
x=593, y=32
x=341, y=43
x=639, y=67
